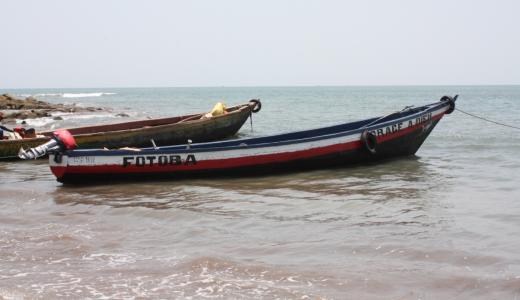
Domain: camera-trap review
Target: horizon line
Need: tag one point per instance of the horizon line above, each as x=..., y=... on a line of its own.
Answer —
x=262, y=86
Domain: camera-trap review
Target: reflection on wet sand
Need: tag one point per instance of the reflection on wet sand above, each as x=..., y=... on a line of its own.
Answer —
x=15, y=172
x=359, y=196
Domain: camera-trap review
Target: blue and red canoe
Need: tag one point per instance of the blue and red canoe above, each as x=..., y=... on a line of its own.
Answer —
x=398, y=134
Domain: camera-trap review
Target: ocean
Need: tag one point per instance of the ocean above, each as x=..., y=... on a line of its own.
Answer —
x=443, y=224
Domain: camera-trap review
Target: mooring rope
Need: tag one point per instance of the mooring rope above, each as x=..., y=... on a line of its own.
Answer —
x=251, y=118
x=487, y=120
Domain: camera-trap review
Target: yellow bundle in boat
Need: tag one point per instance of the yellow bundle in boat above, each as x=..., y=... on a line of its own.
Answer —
x=218, y=109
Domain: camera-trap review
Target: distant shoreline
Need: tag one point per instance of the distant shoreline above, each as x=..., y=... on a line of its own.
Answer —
x=9, y=90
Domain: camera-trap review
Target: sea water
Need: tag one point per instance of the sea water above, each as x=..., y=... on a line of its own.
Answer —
x=442, y=224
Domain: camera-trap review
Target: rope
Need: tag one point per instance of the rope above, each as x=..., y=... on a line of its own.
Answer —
x=251, y=118
x=487, y=120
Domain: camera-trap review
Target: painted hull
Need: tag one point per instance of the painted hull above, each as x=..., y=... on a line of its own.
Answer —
x=165, y=131
x=400, y=134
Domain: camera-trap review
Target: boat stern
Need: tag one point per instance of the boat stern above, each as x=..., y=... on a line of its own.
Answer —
x=58, y=163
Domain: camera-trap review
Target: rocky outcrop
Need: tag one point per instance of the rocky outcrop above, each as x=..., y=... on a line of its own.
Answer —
x=27, y=114
x=30, y=108
x=9, y=102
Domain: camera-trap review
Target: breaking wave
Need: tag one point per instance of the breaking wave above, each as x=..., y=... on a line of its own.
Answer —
x=82, y=95
x=66, y=119
x=70, y=95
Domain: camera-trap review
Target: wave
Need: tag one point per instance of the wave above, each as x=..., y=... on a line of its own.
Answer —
x=82, y=95
x=38, y=95
x=69, y=119
x=87, y=116
x=48, y=95
x=68, y=95
x=38, y=123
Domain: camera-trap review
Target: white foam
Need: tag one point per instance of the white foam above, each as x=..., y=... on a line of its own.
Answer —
x=48, y=95
x=83, y=95
x=86, y=116
x=11, y=294
x=68, y=95
x=112, y=259
x=40, y=122
x=46, y=121
x=39, y=95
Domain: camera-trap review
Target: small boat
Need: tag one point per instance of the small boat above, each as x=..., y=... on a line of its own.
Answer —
x=164, y=131
x=394, y=135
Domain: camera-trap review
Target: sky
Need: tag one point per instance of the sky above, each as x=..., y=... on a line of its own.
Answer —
x=126, y=43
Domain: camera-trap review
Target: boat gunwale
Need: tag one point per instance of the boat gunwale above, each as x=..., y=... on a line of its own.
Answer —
x=234, y=110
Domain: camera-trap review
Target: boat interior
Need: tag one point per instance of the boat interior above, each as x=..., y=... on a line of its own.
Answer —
x=136, y=124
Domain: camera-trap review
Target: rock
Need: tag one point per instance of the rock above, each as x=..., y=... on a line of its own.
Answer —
x=122, y=115
x=57, y=118
x=8, y=101
x=31, y=107
x=27, y=114
x=8, y=121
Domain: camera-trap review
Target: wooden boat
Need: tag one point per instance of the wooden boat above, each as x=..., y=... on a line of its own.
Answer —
x=398, y=134
x=164, y=131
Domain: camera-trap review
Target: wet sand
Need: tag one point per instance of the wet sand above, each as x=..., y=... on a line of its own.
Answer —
x=358, y=232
